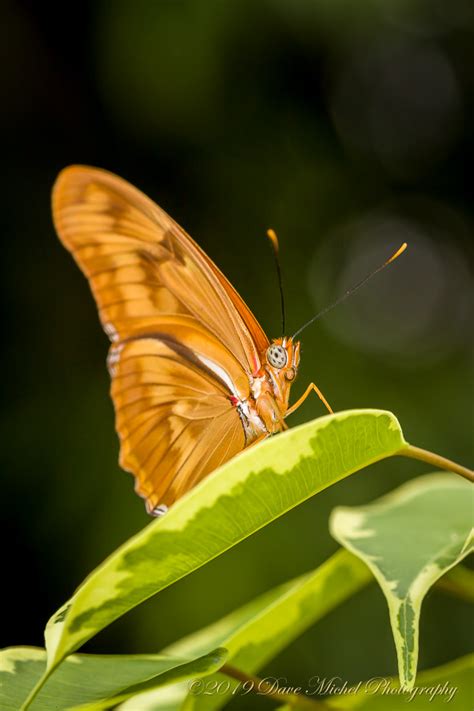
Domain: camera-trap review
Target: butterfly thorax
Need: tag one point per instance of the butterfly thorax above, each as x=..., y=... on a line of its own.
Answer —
x=264, y=412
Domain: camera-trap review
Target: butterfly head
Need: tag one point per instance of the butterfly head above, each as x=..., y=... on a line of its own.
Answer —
x=283, y=358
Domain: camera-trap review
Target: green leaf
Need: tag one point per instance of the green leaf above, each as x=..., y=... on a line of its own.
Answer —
x=92, y=679
x=169, y=698
x=409, y=539
x=258, y=631
x=188, y=671
x=446, y=687
x=241, y=497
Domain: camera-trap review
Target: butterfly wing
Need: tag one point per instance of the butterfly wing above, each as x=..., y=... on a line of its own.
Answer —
x=173, y=405
x=184, y=342
x=140, y=263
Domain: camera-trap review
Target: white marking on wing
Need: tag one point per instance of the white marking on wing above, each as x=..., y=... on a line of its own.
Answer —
x=220, y=372
x=111, y=331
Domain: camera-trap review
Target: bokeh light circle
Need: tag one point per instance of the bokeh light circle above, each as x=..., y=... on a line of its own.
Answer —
x=418, y=310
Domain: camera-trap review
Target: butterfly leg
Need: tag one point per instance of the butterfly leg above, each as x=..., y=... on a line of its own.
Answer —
x=301, y=400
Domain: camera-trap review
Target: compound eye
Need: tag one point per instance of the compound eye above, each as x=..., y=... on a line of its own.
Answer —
x=277, y=356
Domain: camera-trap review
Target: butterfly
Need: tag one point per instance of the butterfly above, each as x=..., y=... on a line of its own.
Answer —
x=195, y=379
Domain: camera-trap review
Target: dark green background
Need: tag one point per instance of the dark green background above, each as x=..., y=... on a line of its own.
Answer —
x=346, y=128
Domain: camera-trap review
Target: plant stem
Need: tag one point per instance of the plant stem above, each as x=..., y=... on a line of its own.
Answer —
x=436, y=460
x=266, y=689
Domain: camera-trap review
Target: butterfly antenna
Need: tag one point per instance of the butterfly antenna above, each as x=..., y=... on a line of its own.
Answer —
x=353, y=289
x=276, y=253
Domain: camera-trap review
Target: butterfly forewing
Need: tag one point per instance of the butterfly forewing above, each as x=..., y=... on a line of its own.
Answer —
x=184, y=342
x=110, y=227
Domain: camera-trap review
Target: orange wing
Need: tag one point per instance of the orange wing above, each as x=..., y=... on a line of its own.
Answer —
x=140, y=263
x=184, y=342
x=174, y=417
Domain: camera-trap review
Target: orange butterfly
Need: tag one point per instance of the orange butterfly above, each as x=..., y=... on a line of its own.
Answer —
x=195, y=379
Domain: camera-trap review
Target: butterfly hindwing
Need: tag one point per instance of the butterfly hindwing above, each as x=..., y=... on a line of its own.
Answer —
x=175, y=419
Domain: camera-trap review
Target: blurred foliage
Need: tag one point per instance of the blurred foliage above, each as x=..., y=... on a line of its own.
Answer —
x=348, y=130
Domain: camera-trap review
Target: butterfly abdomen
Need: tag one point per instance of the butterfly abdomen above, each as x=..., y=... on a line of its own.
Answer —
x=252, y=423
